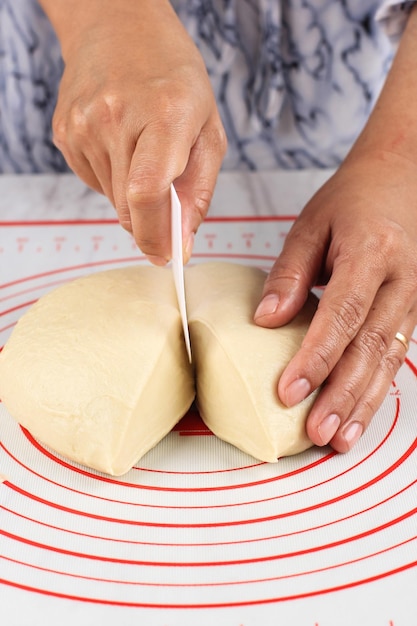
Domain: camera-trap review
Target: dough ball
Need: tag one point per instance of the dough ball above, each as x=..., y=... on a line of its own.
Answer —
x=238, y=364
x=97, y=369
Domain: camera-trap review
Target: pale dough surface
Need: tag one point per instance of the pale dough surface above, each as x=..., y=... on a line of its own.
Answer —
x=238, y=363
x=97, y=369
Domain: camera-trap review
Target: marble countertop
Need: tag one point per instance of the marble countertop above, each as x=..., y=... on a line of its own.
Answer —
x=64, y=196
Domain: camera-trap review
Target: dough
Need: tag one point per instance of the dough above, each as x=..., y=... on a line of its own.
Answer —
x=238, y=364
x=97, y=369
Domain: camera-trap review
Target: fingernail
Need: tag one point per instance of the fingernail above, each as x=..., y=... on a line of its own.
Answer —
x=352, y=433
x=157, y=260
x=268, y=305
x=328, y=427
x=297, y=391
x=189, y=247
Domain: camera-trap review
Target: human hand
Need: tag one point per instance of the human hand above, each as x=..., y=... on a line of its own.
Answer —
x=358, y=235
x=136, y=112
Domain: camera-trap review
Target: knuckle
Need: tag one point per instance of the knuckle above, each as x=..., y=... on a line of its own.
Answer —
x=110, y=109
x=202, y=200
x=222, y=141
x=143, y=189
x=394, y=236
x=392, y=361
x=383, y=242
x=154, y=247
x=284, y=270
x=106, y=110
x=79, y=123
x=123, y=215
x=373, y=342
x=321, y=362
x=173, y=114
x=348, y=315
x=392, y=240
x=350, y=395
x=59, y=130
x=218, y=138
x=125, y=223
x=367, y=407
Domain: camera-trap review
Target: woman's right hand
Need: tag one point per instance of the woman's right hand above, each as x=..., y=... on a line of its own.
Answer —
x=136, y=112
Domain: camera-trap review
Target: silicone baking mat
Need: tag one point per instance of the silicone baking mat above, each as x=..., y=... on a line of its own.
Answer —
x=199, y=532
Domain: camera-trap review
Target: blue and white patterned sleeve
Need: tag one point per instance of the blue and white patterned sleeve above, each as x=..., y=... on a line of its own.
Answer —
x=295, y=80
x=393, y=16
x=30, y=71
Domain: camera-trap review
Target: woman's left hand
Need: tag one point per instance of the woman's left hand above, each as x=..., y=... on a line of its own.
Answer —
x=357, y=235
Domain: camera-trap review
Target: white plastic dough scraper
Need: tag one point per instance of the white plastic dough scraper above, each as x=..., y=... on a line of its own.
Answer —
x=178, y=263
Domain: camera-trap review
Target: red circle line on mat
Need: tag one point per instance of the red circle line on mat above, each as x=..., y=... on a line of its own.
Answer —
x=106, y=479
x=199, y=564
x=216, y=584
x=268, y=518
x=217, y=605
x=114, y=481
x=160, y=506
x=245, y=503
x=214, y=543
x=115, y=222
x=198, y=489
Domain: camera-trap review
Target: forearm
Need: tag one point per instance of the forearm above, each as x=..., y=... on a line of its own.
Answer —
x=392, y=126
x=73, y=20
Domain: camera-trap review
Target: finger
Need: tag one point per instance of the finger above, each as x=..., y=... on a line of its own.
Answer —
x=195, y=186
x=101, y=169
x=342, y=311
x=82, y=168
x=345, y=393
x=355, y=369
x=359, y=419
x=294, y=273
x=121, y=157
x=92, y=167
x=67, y=137
x=157, y=161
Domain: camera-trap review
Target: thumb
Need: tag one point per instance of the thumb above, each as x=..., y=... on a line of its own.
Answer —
x=156, y=163
x=294, y=273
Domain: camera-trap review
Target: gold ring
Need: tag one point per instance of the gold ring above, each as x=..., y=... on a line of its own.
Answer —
x=403, y=340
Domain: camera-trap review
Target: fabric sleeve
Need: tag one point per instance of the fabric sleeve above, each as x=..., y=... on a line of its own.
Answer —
x=393, y=16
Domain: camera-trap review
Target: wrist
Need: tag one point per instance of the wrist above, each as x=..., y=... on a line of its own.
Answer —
x=78, y=21
x=392, y=125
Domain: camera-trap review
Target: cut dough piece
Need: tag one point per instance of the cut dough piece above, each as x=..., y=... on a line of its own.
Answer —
x=238, y=364
x=98, y=370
